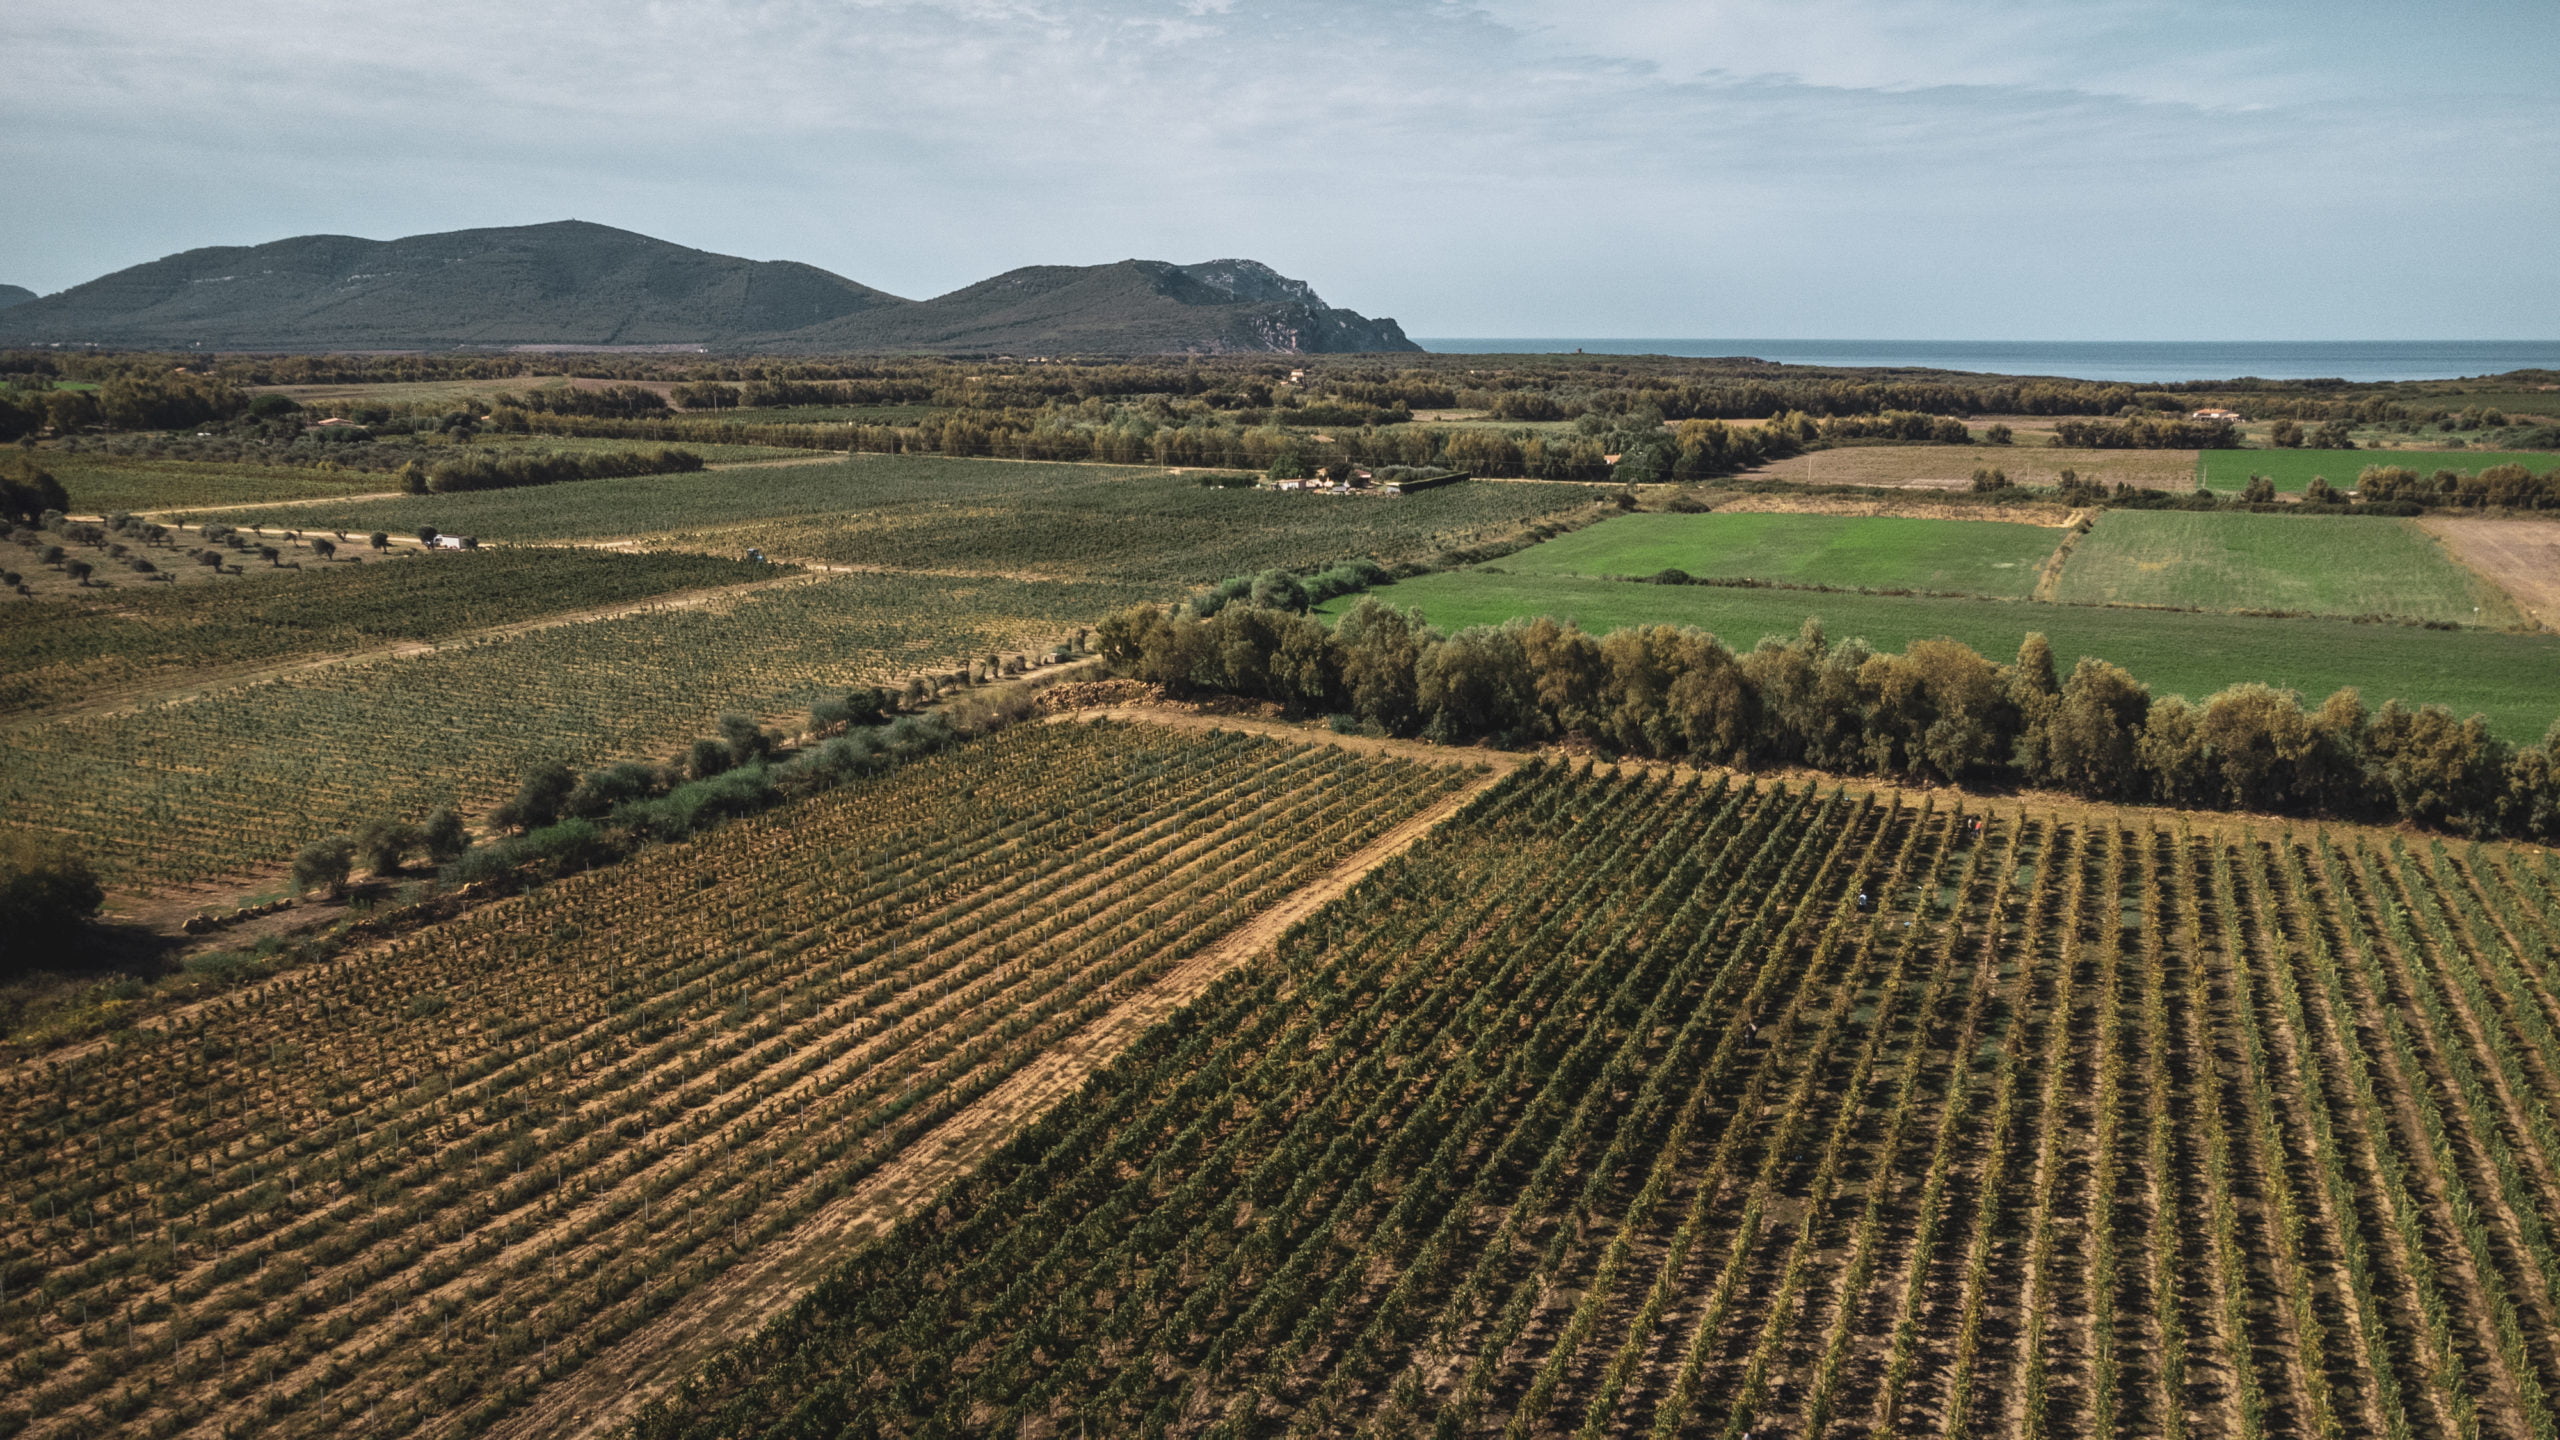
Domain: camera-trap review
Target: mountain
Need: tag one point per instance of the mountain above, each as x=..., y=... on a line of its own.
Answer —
x=15, y=295
x=573, y=283
x=567, y=283
x=1134, y=307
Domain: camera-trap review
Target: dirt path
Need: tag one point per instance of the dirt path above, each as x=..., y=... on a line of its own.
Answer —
x=351, y=497
x=202, y=683
x=610, y=1390
x=2520, y=557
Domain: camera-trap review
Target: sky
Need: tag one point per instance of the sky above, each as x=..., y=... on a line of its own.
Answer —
x=1886, y=169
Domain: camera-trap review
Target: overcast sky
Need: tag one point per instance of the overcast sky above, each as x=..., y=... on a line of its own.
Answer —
x=1942, y=169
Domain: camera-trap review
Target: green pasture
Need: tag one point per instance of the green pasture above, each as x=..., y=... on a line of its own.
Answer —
x=1874, y=552
x=2292, y=469
x=2317, y=564
x=2513, y=679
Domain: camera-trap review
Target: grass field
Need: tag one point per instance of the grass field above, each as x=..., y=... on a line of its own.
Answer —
x=991, y=516
x=233, y=782
x=2318, y=564
x=2512, y=679
x=70, y=648
x=372, y=1187
x=2292, y=469
x=1870, y=552
x=1625, y=1107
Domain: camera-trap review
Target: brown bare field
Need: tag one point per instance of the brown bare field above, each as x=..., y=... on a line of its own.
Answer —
x=1951, y=467
x=2521, y=557
x=1917, y=504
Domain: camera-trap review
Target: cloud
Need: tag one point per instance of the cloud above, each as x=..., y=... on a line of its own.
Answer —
x=1474, y=166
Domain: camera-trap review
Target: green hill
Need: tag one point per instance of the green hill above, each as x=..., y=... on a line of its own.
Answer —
x=11, y=295
x=573, y=283
x=567, y=283
x=1132, y=307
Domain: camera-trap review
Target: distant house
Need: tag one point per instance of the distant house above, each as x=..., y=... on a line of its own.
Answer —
x=456, y=542
x=2233, y=416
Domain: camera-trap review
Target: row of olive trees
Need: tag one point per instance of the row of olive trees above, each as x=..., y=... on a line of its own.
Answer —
x=1938, y=711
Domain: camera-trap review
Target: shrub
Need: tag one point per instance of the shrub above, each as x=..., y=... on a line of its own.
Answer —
x=46, y=893
x=324, y=863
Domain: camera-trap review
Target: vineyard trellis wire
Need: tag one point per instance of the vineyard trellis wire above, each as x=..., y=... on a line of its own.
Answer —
x=1634, y=1104
x=412, y=1186
x=233, y=783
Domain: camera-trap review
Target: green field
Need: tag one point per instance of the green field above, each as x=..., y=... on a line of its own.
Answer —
x=2316, y=564
x=64, y=649
x=2292, y=469
x=2512, y=679
x=1875, y=552
x=995, y=516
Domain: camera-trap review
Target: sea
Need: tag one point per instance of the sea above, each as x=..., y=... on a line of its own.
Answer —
x=2132, y=361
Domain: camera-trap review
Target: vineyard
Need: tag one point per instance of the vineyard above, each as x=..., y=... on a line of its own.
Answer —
x=1632, y=1104
x=233, y=782
x=1008, y=517
x=66, y=649
x=404, y=1191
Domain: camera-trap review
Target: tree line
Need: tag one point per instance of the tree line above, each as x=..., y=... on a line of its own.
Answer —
x=1937, y=712
x=503, y=472
x=2509, y=486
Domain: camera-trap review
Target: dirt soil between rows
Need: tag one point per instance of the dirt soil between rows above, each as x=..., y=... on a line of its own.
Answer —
x=608, y=1392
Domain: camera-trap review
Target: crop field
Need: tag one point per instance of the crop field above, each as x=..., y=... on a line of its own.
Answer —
x=1873, y=552
x=101, y=484
x=70, y=649
x=2513, y=679
x=2291, y=470
x=1952, y=466
x=1628, y=1105
x=232, y=782
x=989, y=516
x=2316, y=564
x=403, y=1192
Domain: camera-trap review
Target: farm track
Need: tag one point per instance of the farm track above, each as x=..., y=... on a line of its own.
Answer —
x=755, y=1126
x=1577, y=1100
x=613, y=1387
x=2083, y=1150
